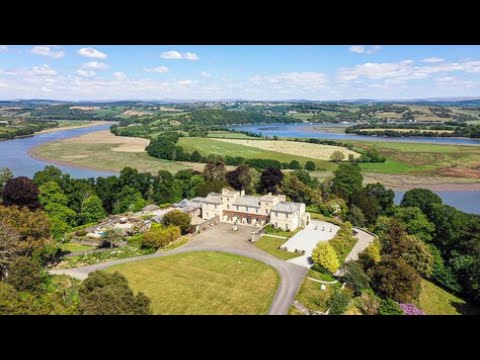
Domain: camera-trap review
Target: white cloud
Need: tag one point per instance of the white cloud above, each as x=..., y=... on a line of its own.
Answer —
x=190, y=56
x=47, y=51
x=119, y=75
x=176, y=55
x=297, y=79
x=43, y=70
x=86, y=73
x=92, y=53
x=404, y=70
x=94, y=65
x=205, y=74
x=3, y=48
x=365, y=49
x=433, y=60
x=157, y=69
x=446, y=78
x=185, y=82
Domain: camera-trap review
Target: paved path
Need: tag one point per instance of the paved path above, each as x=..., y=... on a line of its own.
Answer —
x=364, y=239
x=222, y=238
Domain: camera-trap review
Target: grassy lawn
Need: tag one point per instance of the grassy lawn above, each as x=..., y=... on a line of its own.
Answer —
x=272, y=231
x=272, y=246
x=206, y=146
x=436, y=301
x=320, y=276
x=203, y=283
x=74, y=247
x=180, y=242
x=313, y=297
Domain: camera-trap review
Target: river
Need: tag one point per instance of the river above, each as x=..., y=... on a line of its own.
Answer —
x=14, y=153
x=315, y=131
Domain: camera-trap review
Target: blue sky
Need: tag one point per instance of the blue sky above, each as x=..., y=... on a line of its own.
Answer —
x=242, y=72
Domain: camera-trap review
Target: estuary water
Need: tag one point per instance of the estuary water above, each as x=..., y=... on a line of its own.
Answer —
x=315, y=131
x=14, y=153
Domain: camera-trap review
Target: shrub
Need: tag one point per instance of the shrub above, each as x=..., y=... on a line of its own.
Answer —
x=160, y=237
x=411, y=309
x=338, y=302
x=25, y=275
x=394, y=278
x=343, y=242
x=371, y=255
x=356, y=276
x=368, y=304
x=81, y=232
x=390, y=307
x=109, y=294
x=324, y=255
x=177, y=218
x=310, y=166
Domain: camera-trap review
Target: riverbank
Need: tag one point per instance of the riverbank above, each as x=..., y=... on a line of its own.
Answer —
x=73, y=127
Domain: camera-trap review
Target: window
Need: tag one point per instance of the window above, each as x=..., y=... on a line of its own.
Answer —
x=286, y=226
x=246, y=208
x=228, y=206
x=266, y=211
x=237, y=207
x=286, y=216
x=256, y=210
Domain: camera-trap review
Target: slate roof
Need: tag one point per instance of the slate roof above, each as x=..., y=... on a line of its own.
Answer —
x=189, y=205
x=251, y=201
x=287, y=207
x=213, y=198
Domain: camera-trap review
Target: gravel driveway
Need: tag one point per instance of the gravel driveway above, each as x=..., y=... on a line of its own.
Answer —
x=222, y=238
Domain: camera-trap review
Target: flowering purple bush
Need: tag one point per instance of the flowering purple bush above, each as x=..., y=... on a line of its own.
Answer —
x=410, y=309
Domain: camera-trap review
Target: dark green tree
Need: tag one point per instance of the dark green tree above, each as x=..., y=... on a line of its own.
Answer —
x=109, y=294
x=347, y=180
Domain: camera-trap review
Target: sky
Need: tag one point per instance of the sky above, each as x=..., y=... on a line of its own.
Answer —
x=259, y=72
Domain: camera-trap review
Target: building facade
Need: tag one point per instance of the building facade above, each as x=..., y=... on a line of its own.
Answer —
x=235, y=207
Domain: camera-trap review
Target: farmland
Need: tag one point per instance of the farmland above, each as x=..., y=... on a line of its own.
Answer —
x=218, y=147
x=316, y=151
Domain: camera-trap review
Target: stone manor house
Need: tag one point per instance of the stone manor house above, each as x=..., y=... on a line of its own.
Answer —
x=235, y=207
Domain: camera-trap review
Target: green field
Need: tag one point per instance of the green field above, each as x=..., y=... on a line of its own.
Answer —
x=101, y=156
x=203, y=283
x=423, y=159
x=436, y=301
x=207, y=146
x=272, y=245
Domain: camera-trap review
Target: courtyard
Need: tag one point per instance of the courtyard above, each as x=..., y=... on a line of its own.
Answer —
x=307, y=239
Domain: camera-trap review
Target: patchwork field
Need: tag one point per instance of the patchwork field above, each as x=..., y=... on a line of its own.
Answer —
x=104, y=151
x=315, y=151
x=203, y=283
x=224, y=147
x=424, y=159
